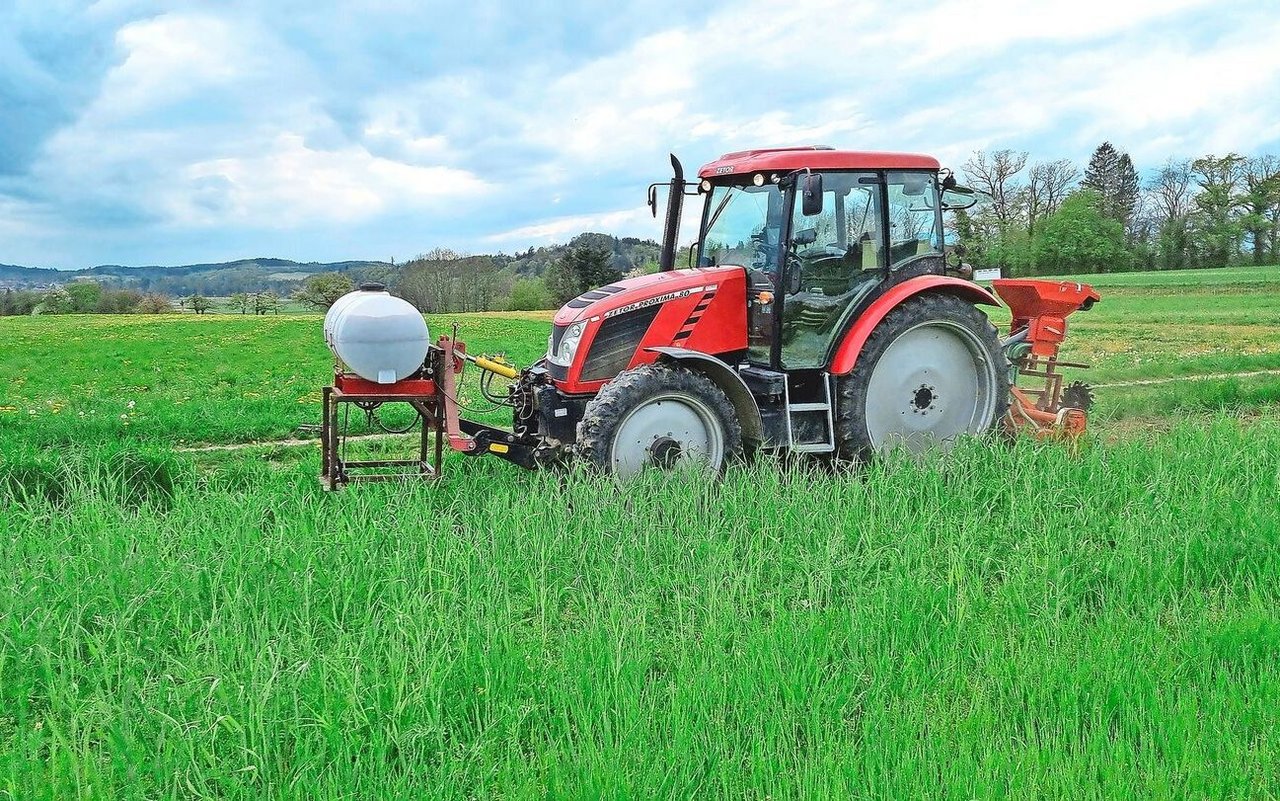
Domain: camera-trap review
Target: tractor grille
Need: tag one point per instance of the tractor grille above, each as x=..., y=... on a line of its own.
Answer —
x=616, y=343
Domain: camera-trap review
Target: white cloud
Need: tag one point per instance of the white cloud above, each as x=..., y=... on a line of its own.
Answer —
x=289, y=185
x=559, y=229
x=260, y=153
x=979, y=28
x=174, y=57
x=1154, y=95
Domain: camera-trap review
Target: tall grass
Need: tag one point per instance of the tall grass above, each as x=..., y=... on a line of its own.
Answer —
x=1028, y=621
x=1021, y=621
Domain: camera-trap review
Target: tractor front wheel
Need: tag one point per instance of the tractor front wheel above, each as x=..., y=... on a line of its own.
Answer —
x=932, y=371
x=659, y=416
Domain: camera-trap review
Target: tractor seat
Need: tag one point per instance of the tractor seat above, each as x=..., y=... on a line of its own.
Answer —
x=869, y=260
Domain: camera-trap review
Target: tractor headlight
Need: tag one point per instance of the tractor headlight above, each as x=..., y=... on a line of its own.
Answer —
x=563, y=353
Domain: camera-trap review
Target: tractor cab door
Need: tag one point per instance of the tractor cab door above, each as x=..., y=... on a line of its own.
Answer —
x=743, y=224
x=870, y=225
x=833, y=259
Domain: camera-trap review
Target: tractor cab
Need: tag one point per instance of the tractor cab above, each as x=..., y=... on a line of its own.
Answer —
x=818, y=240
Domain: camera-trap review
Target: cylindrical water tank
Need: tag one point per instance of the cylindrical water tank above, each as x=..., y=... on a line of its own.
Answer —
x=378, y=337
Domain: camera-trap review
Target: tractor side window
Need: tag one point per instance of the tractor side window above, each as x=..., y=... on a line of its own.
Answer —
x=743, y=227
x=834, y=259
x=915, y=223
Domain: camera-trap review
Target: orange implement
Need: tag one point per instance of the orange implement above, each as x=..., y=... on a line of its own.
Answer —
x=1040, y=310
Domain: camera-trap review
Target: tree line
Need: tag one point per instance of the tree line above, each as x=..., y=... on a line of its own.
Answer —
x=82, y=297
x=444, y=280
x=90, y=297
x=1050, y=218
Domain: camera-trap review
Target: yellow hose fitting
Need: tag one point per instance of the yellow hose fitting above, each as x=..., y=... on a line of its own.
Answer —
x=504, y=370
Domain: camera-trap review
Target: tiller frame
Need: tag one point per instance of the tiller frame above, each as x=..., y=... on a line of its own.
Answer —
x=1040, y=310
x=432, y=393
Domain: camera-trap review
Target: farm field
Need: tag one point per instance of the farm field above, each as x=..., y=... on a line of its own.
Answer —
x=1023, y=620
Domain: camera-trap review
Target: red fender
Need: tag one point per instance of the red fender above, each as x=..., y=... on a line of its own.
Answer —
x=847, y=354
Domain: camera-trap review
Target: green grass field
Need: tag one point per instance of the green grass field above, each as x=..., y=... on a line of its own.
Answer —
x=1025, y=620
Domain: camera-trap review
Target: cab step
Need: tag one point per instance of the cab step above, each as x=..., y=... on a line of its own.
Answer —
x=810, y=425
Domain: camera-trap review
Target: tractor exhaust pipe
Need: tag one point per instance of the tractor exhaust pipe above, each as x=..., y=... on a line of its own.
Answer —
x=671, y=229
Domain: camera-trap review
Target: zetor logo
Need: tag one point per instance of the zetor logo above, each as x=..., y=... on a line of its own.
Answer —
x=644, y=304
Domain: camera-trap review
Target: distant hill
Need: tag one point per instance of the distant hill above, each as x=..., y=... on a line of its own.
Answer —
x=282, y=275
x=225, y=278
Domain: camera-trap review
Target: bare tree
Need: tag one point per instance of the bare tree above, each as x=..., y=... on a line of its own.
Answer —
x=995, y=175
x=1170, y=192
x=266, y=303
x=241, y=302
x=154, y=303
x=197, y=303
x=1049, y=183
x=1168, y=205
x=441, y=280
x=441, y=254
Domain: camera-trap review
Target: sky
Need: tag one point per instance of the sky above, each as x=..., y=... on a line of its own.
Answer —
x=138, y=132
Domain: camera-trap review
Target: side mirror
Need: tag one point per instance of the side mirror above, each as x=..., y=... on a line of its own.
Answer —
x=811, y=194
x=959, y=197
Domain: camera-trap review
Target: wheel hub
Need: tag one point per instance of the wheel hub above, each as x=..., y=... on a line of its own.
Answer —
x=665, y=452
x=670, y=431
x=923, y=399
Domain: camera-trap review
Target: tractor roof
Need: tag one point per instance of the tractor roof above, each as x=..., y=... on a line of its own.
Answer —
x=817, y=157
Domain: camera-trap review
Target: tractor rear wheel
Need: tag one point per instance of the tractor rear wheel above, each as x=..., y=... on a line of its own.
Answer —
x=932, y=371
x=662, y=417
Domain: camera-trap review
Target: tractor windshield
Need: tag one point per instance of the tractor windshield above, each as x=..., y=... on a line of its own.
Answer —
x=742, y=226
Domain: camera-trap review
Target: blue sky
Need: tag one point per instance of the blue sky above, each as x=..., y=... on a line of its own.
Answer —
x=138, y=132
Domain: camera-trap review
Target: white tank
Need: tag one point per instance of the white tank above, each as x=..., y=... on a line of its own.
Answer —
x=378, y=337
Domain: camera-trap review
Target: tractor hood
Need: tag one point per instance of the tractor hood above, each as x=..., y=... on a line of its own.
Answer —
x=616, y=327
x=641, y=292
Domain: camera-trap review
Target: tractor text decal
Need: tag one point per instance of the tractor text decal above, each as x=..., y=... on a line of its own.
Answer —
x=644, y=304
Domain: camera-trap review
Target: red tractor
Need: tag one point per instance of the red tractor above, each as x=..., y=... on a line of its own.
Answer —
x=819, y=313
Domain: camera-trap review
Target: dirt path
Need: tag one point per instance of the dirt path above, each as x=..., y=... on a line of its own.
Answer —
x=1205, y=377
x=281, y=443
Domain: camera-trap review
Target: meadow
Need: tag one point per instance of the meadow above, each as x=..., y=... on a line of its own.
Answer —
x=1023, y=619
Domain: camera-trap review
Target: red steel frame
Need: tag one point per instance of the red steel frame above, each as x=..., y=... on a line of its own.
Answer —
x=435, y=401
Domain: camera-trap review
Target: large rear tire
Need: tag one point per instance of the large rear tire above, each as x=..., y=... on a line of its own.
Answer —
x=658, y=416
x=931, y=372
